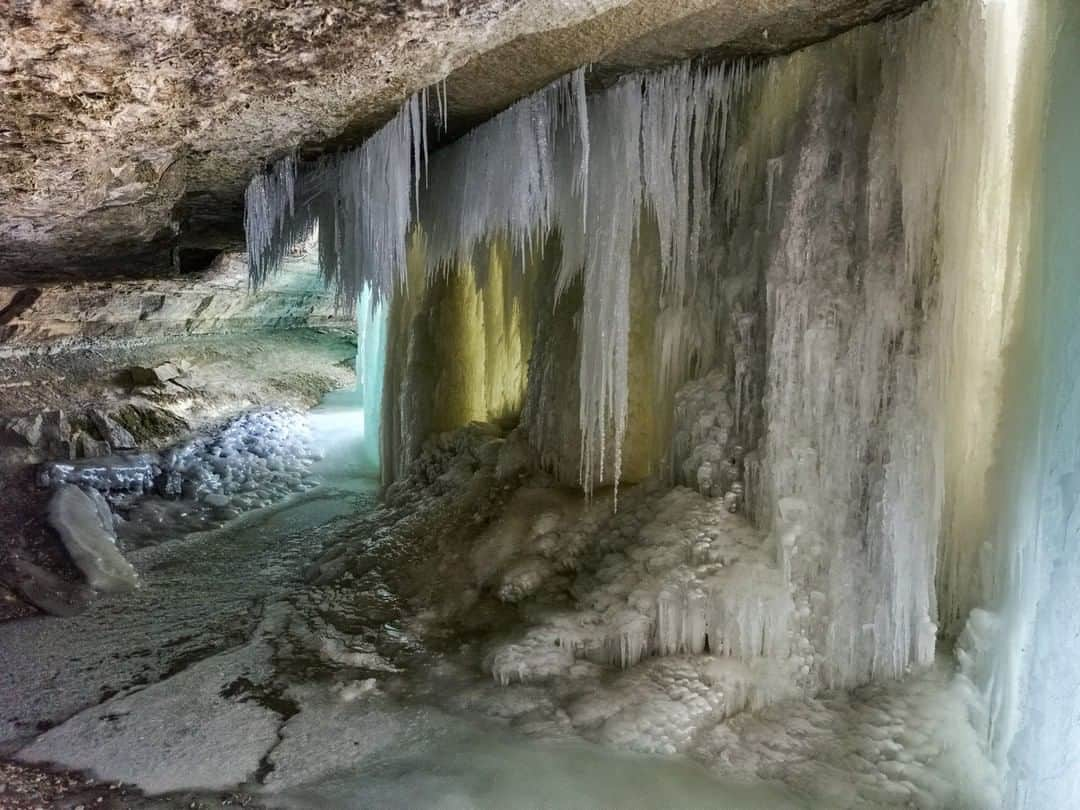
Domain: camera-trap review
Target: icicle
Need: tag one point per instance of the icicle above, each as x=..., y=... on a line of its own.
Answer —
x=616, y=190
x=580, y=113
x=269, y=204
x=542, y=165
x=368, y=207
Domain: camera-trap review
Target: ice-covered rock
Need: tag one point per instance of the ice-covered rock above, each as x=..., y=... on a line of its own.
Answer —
x=130, y=473
x=85, y=525
x=46, y=590
x=254, y=460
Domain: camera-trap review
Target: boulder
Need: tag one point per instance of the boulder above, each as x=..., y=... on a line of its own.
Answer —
x=56, y=433
x=167, y=371
x=44, y=589
x=26, y=430
x=89, y=447
x=156, y=375
x=117, y=436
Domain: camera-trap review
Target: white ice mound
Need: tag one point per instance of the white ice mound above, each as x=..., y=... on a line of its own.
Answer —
x=85, y=524
x=694, y=579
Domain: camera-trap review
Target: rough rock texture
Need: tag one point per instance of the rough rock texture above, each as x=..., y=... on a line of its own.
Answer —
x=128, y=128
x=54, y=401
x=214, y=302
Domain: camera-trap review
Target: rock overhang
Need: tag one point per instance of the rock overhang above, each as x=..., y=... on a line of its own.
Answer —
x=128, y=130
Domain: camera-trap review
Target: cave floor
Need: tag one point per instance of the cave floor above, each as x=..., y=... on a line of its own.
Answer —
x=327, y=652
x=191, y=683
x=220, y=681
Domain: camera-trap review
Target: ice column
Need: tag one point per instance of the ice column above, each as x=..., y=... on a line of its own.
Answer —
x=1035, y=684
x=370, y=365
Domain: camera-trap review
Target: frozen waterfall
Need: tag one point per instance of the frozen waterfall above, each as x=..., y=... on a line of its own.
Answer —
x=843, y=236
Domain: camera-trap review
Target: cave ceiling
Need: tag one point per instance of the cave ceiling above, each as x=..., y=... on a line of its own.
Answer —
x=129, y=128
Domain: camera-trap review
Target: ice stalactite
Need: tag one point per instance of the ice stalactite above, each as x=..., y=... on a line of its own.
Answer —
x=370, y=194
x=605, y=316
x=361, y=201
x=269, y=206
x=500, y=179
x=541, y=166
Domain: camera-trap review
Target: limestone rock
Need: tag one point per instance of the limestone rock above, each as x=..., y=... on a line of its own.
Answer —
x=56, y=434
x=116, y=436
x=44, y=589
x=158, y=375
x=211, y=302
x=25, y=429
x=89, y=447
x=167, y=371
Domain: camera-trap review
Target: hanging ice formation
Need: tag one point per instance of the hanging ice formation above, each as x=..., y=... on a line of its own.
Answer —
x=837, y=231
x=586, y=168
x=361, y=245
x=269, y=207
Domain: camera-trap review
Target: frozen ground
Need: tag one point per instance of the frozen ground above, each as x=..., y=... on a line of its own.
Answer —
x=374, y=680
x=201, y=592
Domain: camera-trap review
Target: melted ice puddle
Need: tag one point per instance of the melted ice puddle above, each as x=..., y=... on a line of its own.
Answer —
x=480, y=769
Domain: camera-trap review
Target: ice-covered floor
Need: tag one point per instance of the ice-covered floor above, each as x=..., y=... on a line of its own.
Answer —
x=335, y=652
x=468, y=766
x=202, y=591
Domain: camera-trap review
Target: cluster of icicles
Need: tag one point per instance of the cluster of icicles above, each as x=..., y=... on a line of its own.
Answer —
x=586, y=167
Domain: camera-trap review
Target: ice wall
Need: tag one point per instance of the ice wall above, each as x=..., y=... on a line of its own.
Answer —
x=837, y=234
x=884, y=207
x=1031, y=654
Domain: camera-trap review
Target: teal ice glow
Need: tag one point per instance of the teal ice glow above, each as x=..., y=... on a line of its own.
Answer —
x=370, y=365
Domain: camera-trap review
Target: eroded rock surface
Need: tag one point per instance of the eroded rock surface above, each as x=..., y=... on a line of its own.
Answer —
x=128, y=129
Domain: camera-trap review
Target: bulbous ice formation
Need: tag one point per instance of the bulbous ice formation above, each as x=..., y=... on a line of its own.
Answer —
x=85, y=525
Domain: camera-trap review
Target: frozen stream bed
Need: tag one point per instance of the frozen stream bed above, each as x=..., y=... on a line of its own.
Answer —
x=171, y=686
x=202, y=592
x=332, y=651
x=212, y=676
